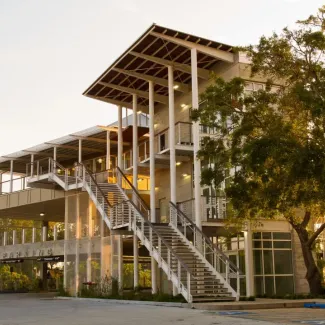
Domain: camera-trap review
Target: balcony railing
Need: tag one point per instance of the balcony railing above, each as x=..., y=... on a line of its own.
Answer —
x=212, y=208
x=14, y=185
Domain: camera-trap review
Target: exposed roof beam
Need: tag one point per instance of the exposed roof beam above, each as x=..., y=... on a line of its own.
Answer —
x=109, y=128
x=202, y=73
x=15, y=158
x=144, y=94
x=218, y=54
x=158, y=81
x=72, y=147
x=45, y=154
x=128, y=105
x=98, y=140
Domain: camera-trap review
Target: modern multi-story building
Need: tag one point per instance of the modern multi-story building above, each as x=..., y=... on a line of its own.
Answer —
x=130, y=193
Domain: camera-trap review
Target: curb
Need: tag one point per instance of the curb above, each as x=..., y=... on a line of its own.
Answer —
x=130, y=302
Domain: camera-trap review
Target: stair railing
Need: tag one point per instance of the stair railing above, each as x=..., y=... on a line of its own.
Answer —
x=215, y=257
x=136, y=197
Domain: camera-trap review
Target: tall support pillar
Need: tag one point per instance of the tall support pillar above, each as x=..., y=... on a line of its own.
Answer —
x=11, y=176
x=196, y=141
x=135, y=151
x=1, y=182
x=90, y=235
x=250, y=291
x=120, y=261
x=66, y=238
x=54, y=158
x=80, y=151
x=172, y=134
x=152, y=177
x=172, y=150
x=120, y=142
x=78, y=226
x=31, y=165
x=108, y=150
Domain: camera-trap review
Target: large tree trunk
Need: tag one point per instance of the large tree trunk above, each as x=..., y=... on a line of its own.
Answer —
x=313, y=275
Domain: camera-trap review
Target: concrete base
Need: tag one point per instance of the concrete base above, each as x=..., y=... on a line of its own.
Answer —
x=258, y=304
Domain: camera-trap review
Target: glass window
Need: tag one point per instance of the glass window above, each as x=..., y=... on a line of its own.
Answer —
x=268, y=262
x=282, y=235
x=284, y=285
x=267, y=244
x=283, y=262
x=257, y=244
x=256, y=235
x=282, y=244
x=259, y=286
x=266, y=235
x=269, y=285
x=258, y=266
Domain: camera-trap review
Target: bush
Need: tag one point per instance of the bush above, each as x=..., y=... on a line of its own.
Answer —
x=13, y=281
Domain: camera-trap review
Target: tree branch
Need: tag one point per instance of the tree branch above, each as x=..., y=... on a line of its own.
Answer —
x=315, y=235
x=306, y=219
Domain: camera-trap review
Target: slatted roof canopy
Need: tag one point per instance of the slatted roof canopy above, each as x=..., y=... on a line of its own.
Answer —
x=148, y=58
x=94, y=142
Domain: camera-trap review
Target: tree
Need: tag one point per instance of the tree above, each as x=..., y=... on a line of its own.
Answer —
x=272, y=141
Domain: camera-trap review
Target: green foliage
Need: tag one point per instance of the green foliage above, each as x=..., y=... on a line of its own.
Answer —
x=13, y=281
x=273, y=139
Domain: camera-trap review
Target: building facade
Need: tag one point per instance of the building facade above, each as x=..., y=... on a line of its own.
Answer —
x=130, y=193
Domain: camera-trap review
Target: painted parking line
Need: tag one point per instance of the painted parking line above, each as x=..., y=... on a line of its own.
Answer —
x=312, y=322
x=233, y=313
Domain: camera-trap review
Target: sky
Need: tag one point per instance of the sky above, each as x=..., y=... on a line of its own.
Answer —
x=52, y=50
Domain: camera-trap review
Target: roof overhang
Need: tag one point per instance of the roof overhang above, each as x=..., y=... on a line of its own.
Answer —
x=147, y=59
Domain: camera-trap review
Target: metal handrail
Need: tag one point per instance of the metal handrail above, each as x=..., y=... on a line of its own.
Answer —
x=94, y=181
x=133, y=189
x=207, y=239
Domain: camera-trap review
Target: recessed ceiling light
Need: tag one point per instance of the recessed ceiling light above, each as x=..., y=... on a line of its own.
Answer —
x=183, y=105
x=176, y=86
x=42, y=214
x=100, y=160
x=178, y=163
x=185, y=175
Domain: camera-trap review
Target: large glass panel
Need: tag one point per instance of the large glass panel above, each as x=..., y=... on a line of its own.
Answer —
x=259, y=287
x=258, y=267
x=269, y=285
x=282, y=244
x=282, y=235
x=283, y=262
x=266, y=235
x=256, y=235
x=257, y=244
x=268, y=262
x=284, y=285
x=267, y=244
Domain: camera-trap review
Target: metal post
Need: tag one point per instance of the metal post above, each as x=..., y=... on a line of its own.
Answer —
x=23, y=236
x=66, y=238
x=77, y=273
x=120, y=141
x=55, y=232
x=249, y=261
x=135, y=152
x=14, y=237
x=11, y=175
x=90, y=235
x=80, y=151
x=5, y=238
x=34, y=235
x=54, y=158
x=108, y=150
x=196, y=140
x=31, y=165
x=44, y=234
x=120, y=262
x=1, y=182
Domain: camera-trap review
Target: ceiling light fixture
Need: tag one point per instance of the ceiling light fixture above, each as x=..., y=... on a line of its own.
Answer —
x=176, y=86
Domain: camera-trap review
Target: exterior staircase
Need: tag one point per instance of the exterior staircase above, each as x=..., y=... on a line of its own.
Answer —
x=200, y=272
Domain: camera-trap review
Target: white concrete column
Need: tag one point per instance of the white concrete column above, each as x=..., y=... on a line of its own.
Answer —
x=14, y=237
x=55, y=232
x=120, y=139
x=1, y=182
x=172, y=150
x=126, y=117
x=120, y=261
x=90, y=235
x=66, y=238
x=11, y=185
x=172, y=134
x=135, y=152
x=196, y=141
x=44, y=234
x=54, y=158
x=23, y=236
x=250, y=290
x=80, y=151
x=78, y=226
x=108, y=150
x=152, y=177
x=34, y=235
x=31, y=165
x=152, y=152
x=5, y=238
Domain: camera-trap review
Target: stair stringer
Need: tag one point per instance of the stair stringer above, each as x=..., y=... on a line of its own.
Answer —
x=207, y=264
